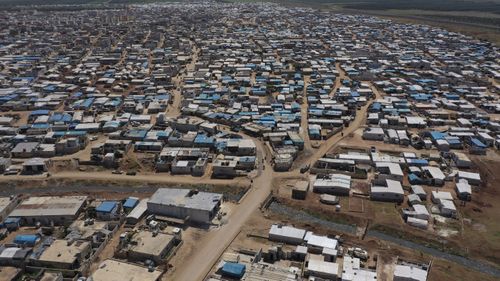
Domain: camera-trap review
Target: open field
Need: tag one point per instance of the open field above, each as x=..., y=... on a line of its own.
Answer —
x=249, y=238
x=475, y=234
x=6, y=3
x=480, y=25
x=109, y=184
x=477, y=18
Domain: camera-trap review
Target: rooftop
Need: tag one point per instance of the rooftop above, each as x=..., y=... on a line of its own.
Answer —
x=49, y=206
x=150, y=244
x=113, y=270
x=60, y=251
x=185, y=198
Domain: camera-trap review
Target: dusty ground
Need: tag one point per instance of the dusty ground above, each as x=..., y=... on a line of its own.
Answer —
x=108, y=251
x=253, y=237
x=190, y=238
x=476, y=233
x=386, y=252
x=442, y=270
x=481, y=228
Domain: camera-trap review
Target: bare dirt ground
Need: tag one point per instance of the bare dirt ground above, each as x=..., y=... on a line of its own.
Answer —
x=356, y=205
x=386, y=252
x=215, y=242
x=481, y=230
x=190, y=238
x=141, y=178
x=474, y=233
x=108, y=251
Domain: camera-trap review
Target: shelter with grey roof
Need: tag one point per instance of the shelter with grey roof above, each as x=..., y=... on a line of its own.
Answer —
x=186, y=204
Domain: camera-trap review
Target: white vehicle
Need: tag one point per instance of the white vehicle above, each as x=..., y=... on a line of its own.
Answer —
x=358, y=253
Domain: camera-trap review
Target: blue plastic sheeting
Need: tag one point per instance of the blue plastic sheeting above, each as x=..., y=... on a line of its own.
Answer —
x=376, y=106
x=477, y=143
x=130, y=203
x=414, y=179
x=417, y=162
x=235, y=270
x=437, y=135
x=60, y=117
x=69, y=133
x=204, y=139
x=40, y=112
x=26, y=239
x=40, y=126
x=106, y=207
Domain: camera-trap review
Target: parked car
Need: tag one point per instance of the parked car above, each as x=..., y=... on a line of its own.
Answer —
x=304, y=168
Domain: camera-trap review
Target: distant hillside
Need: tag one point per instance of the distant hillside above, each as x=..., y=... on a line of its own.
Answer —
x=8, y=3
x=48, y=2
x=492, y=6
x=433, y=5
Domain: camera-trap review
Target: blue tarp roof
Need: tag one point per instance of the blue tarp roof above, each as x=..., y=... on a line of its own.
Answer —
x=437, y=135
x=452, y=140
x=247, y=159
x=106, y=206
x=115, y=124
x=40, y=126
x=40, y=112
x=236, y=270
x=69, y=133
x=418, y=162
x=478, y=143
x=10, y=220
x=376, y=106
x=60, y=117
x=421, y=96
x=414, y=179
x=130, y=203
x=452, y=96
x=137, y=133
x=204, y=139
x=26, y=239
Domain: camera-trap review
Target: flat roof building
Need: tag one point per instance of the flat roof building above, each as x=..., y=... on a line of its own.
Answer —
x=63, y=254
x=392, y=191
x=7, y=204
x=409, y=273
x=10, y=273
x=287, y=234
x=49, y=209
x=113, y=270
x=336, y=184
x=316, y=267
x=188, y=204
x=149, y=245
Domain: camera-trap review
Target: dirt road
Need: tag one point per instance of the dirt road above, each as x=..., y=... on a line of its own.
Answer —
x=329, y=144
x=212, y=246
x=142, y=178
x=215, y=242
